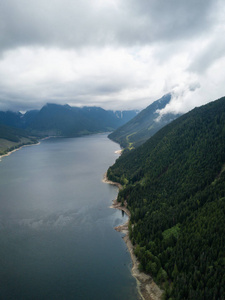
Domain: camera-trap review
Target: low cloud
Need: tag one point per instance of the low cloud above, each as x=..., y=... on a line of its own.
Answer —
x=206, y=88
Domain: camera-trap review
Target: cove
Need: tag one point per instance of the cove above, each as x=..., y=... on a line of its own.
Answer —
x=57, y=232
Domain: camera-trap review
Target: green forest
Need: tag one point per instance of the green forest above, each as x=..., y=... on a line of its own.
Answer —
x=12, y=138
x=174, y=186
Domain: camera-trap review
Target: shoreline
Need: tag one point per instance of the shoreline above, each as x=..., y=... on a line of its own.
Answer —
x=147, y=288
x=16, y=149
x=25, y=145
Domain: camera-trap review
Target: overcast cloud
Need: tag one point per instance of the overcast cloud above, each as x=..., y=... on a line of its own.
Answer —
x=117, y=54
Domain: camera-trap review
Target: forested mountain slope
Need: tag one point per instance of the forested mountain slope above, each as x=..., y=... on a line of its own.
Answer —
x=12, y=138
x=10, y=118
x=174, y=185
x=144, y=125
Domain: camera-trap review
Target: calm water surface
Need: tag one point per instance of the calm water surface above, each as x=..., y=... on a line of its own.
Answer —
x=56, y=228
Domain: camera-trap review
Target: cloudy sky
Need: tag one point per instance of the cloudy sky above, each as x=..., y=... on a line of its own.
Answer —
x=117, y=54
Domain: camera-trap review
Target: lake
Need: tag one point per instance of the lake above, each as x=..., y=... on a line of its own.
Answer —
x=57, y=237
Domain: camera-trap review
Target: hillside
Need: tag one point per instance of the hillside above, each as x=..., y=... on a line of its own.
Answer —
x=143, y=126
x=174, y=185
x=12, y=138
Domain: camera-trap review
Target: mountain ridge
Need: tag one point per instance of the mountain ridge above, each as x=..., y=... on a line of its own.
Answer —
x=143, y=125
x=58, y=120
x=59, y=117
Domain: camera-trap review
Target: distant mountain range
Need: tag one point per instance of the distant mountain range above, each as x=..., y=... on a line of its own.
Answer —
x=59, y=120
x=144, y=125
x=131, y=128
x=65, y=120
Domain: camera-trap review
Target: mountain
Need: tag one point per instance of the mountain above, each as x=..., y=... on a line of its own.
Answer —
x=10, y=118
x=12, y=138
x=54, y=119
x=144, y=125
x=28, y=118
x=174, y=187
x=17, y=119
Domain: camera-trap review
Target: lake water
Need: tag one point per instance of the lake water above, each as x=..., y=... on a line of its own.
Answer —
x=57, y=237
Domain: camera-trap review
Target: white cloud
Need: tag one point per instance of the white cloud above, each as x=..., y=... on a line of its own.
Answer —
x=204, y=89
x=114, y=54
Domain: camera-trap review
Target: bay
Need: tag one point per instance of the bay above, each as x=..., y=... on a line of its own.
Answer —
x=57, y=237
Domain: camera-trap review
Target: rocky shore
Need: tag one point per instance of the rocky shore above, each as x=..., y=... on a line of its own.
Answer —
x=147, y=288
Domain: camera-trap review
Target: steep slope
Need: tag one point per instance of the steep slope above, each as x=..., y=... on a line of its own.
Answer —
x=174, y=186
x=9, y=118
x=28, y=118
x=143, y=126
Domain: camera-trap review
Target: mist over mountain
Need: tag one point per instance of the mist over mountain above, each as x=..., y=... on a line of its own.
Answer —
x=144, y=125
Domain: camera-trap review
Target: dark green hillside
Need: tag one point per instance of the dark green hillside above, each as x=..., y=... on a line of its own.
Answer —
x=12, y=138
x=143, y=126
x=174, y=185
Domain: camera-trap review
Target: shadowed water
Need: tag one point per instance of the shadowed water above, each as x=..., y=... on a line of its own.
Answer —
x=56, y=228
